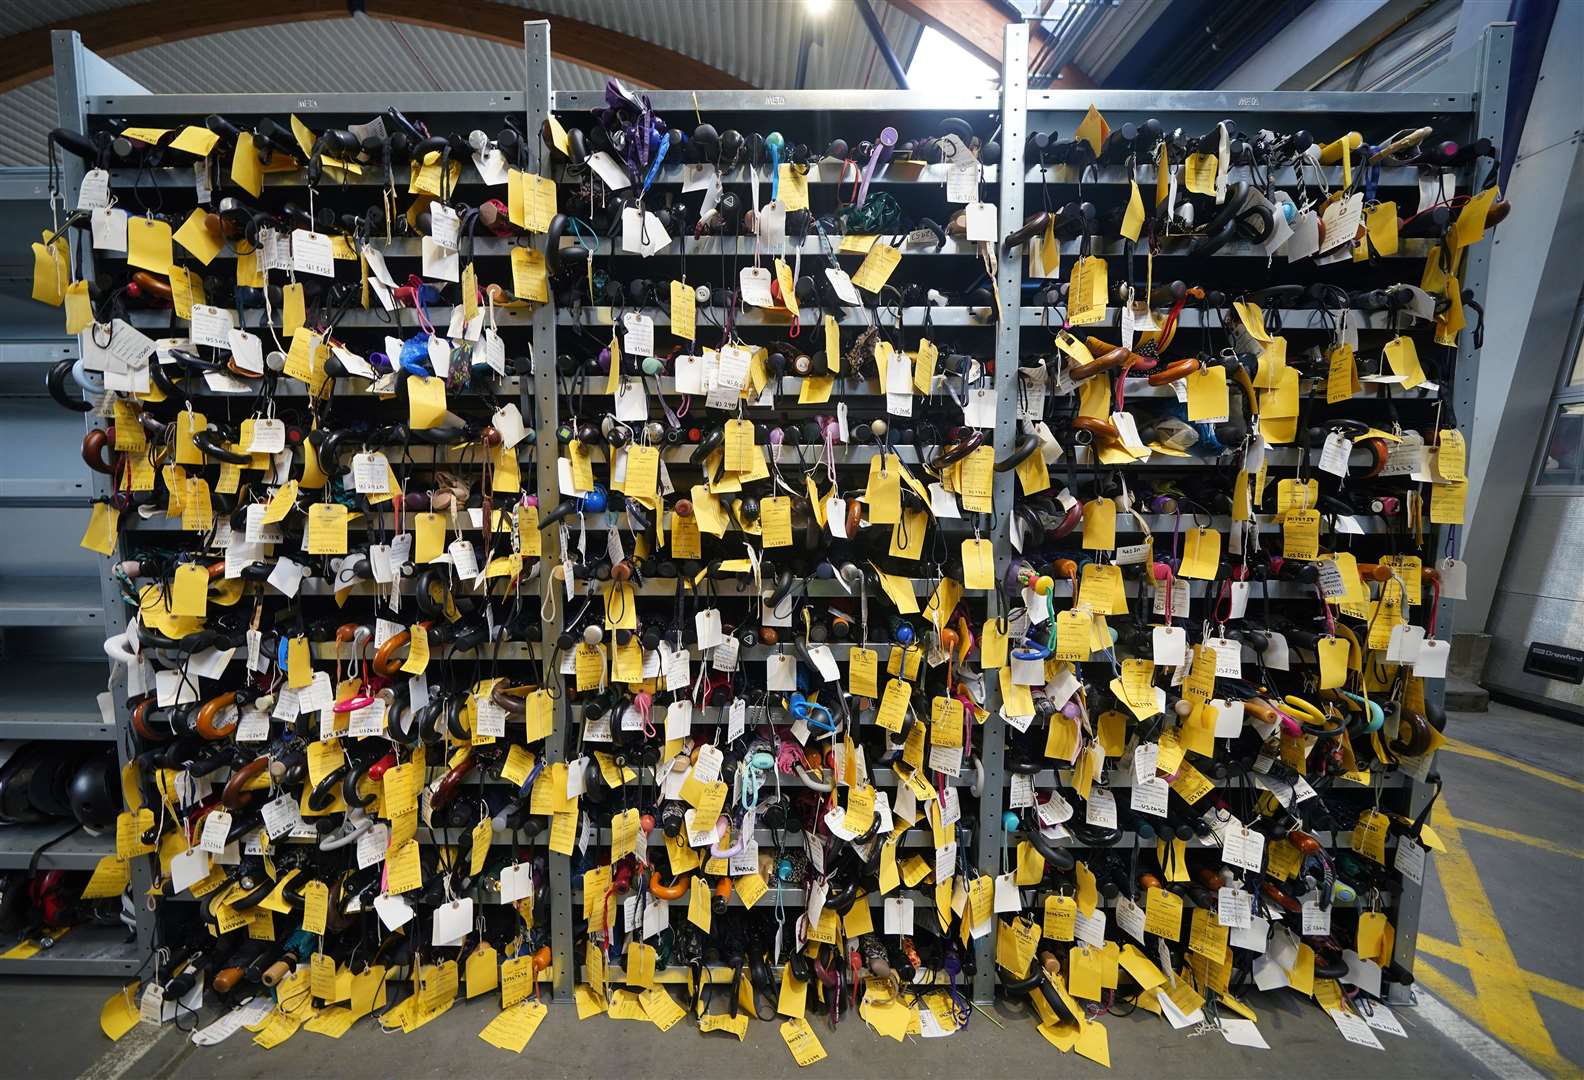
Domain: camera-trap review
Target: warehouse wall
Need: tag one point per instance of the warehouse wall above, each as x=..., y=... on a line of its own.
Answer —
x=1541, y=598
x=38, y=439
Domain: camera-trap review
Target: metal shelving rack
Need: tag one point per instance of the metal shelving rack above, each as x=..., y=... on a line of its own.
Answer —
x=90, y=92
x=1462, y=116
x=760, y=110
x=90, y=88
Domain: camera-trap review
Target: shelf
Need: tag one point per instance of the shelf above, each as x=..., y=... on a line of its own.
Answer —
x=373, y=176
x=509, y=650
x=53, y=701
x=422, y=105
x=615, y=975
x=600, y=315
x=50, y=601
x=1339, y=840
x=788, y=897
x=947, y=102
x=826, y=172
x=1296, y=320
x=1284, y=177
x=789, y=840
x=1293, y=320
x=1177, y=248
x=86, y=950
x=79, y=851
x=1170, y=104
x=883, y=778
x=509, y=386
x=808, y=246
x=1122, y=779
x=45, y=493
x=37, y=352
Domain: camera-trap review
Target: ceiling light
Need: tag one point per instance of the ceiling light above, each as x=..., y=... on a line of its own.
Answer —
x=817, y=8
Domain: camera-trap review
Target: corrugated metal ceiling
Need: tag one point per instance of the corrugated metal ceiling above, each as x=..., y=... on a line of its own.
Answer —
x=756, y=40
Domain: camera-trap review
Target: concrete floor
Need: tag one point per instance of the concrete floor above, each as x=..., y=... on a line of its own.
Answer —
x=1512, y=833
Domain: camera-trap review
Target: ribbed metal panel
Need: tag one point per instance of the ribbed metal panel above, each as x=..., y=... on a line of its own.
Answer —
x=26, y=116
x=757, y=41
x=324, y=57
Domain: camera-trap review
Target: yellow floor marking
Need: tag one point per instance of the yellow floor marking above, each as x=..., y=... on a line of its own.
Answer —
x=1458, y=746
x=1555, y=989
x=1521, y=838
x=1505, y=1008
x=1447, y=989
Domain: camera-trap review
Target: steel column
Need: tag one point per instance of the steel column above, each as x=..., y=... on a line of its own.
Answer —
x=1009, y=285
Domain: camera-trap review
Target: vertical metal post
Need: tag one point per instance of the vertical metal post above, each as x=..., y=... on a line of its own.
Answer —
x=1486, y=120
x=538, y=393
x=1009, y=284
x=71, y=94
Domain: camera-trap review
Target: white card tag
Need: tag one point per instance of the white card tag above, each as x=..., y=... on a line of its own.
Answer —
x=755, y=285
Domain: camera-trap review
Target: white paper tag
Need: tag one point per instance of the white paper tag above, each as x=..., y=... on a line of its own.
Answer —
x=311, y=253
x=981, y=223
x=280, y=816
x=755, y=284
x=1101, y=809
x=1243, y=847
x=980, y=412
x=464, y=559
x=94, y=193
x=109, y=230
x=962, y=181
x=1169, y=644
x=217, y=823
x=1334, y=455
x=1130, y=917
x=1229, y=657
x=444, y=225
x=609, y=170
x=452, y=922
x=1234, y=908
x=1305, y=239
x=1148, y=796
x=212, y=326
x=517, y=882
x=393, y=911
x=825, y=662
x=1431, y=662
x=845, y=290
x=371, y=846
x=898, y=915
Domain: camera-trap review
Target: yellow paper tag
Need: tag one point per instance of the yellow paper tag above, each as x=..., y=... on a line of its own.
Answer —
x=877, y=268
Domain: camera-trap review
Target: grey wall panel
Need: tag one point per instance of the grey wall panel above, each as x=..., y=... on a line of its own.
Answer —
x=43, y=542
x=1518, y=619
x=40, y=441
x=1541, y=596
x=1547, y=551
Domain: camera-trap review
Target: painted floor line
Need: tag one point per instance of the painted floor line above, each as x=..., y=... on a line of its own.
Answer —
x=1506, y=1009
x=1555, y=989
x=1458, y=746
x=1501, y=1061
x=1520, y=838
x=126, y=1053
